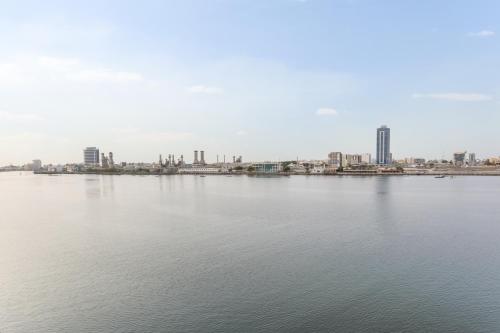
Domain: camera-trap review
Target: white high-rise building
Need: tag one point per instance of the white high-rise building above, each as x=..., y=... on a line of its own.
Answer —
x=91, y=156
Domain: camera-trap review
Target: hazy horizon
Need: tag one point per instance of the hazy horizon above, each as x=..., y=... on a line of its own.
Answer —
x=267, y=80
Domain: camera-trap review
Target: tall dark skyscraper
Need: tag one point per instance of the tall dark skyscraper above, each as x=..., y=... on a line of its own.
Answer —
x=384, y=145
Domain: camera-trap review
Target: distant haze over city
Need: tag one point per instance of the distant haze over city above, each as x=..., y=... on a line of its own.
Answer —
x=268, y=80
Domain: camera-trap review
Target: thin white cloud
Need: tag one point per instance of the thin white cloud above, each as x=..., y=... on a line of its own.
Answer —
x=13, y=73
x=104, y=75
x=201, y=89
x=74, y=70
x=457, y=97
x=482, y=34
x=58, y=62
x=326, y=112
x=19, y=117
x=241, y=133
x=54, y=69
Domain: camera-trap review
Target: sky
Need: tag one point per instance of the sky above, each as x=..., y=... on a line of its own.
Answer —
x=265, y=79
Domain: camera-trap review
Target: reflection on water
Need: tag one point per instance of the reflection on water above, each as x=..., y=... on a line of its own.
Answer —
x=92, y=186
x=247, y=254
x=97, y=186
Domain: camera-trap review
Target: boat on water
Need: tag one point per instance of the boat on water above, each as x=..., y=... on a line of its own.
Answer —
x=202, y=175
x=440, y=176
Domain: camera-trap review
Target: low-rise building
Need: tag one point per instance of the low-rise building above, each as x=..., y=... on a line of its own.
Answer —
x=267, y=167
x=351, y=159
x=198, y=169
x=37, y=165
x=318, y=168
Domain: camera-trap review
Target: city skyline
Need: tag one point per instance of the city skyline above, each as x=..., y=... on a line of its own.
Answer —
x=383, y=155
x=145, y=79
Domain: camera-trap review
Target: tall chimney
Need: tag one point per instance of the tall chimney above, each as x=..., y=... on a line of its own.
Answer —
x=195, y=157
x=202, y=159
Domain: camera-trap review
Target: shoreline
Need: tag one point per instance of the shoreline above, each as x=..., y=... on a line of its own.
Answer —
x=432, y=173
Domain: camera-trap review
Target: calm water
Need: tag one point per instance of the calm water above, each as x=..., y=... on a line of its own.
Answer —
x=240, y=254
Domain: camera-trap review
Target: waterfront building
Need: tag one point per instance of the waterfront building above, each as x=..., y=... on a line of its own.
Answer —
x=267, y=167
x=384, y=156
x=199, y=170
x=111, y=160
x=459, y=158
x=493, y=161
x=55, y=168
x=351, y=159
x=37, y=165
x=335, y=159
x=297, y=168
x=413, y=161
x=91, y=156
x=366, y=158
x=472, y=159
x=104, y=161
x=318, y=168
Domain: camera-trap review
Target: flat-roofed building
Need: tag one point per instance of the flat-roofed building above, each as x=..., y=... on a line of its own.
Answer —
x=335, y=159
x=384, y=156
x=267, y=167
x=351, y=159
x=459, y=158
x=91, y=156
x=472, y=159
x=37, y=165
x=366, y=158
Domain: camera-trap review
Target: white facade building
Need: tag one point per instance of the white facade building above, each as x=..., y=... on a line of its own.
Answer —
x=91, y=156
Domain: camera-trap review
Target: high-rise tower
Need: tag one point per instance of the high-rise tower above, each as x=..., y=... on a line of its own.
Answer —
x=384, y=145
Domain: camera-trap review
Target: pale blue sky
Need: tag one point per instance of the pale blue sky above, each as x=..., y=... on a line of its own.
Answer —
x=263, y=79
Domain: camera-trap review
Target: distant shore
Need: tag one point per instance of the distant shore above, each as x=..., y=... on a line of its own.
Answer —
x=350, y=173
